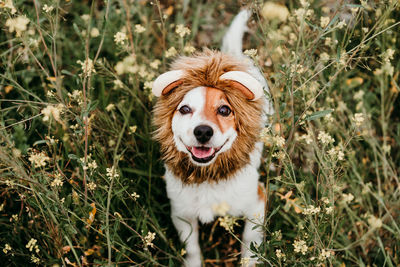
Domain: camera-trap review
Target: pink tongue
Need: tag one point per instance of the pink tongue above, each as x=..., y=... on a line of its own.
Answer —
x=202, y=152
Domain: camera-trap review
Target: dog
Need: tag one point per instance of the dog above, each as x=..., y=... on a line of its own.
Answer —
x=211, y=109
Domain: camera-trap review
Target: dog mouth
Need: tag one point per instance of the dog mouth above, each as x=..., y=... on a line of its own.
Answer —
x=203, y=154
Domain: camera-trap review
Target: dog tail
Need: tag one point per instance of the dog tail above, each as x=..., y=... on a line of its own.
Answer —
x=232, y=42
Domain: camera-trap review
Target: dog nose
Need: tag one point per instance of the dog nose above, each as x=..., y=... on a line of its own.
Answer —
x=203, y=133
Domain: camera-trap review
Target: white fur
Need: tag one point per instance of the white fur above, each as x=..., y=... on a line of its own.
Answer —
x=183, y=126
x=192, y=202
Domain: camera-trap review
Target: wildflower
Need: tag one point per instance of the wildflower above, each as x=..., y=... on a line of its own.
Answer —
x=91, y=186
x=35, y=259
x=183, y=252
x=87, y=66
x=110, y=107
x=148, y=85
x=329, y=210
x=324, y=21
x=341, y=24
x=250, y=52
x=85, y=17
x=374, y=222
x=132, y=129
x=1, y=206
x=39, y=159
x=279, y=141
x=135, y=196
x=279, y=254
x=325, y=138
x=120, y=38
x=189, y=49
x=343, y=58
x=47, y=8
x=118, y=84
x=6, y=248
x=10, y=183
x=8, y=4
x=155, y=64
x=94, y=32
x=14, y=218
x=148, y=239
x=181, y=30
x=347, y=197
x=365, y=29
x=17, y=25
x=227, y=222
x=335, y=152
x=57, y=181
x=112, y=173
x=311, y=210
x=244, y=262
x=221, y=209
x=358, y=119
x=271, y=10
x=127, y=65
x=32, y=245
x=52, y=111
x=324, y=56
x=388, y=55
x=300, y=246
x=139, y=28
x=359, y=95
x=170, y=52
x=324, y=254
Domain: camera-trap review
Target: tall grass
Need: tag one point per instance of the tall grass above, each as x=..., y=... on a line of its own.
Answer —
x=80, y=176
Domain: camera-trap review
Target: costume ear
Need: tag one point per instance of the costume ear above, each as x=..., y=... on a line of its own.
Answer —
x=166, y=82
x=244, y=82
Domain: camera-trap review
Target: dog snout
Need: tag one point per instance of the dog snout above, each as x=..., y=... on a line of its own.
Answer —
x=203, y=133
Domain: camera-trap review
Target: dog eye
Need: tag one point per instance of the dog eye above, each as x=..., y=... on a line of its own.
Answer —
x=185, y=110
x=224, y=111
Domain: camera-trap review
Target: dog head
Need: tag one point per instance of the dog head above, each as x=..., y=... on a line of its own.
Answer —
x=208, y=116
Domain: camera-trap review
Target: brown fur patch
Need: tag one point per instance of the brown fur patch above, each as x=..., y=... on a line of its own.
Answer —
x=204, y=69
x=214, y=99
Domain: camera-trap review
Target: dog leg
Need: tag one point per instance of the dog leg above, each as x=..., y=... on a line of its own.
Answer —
x=189, y=233
x=253, y=235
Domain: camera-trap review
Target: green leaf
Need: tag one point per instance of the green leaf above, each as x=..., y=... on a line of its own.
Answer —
x=318, y=114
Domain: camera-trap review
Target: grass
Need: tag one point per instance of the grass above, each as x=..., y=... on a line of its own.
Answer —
x=81, y=175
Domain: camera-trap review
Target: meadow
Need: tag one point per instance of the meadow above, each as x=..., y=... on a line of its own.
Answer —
x=81, y=177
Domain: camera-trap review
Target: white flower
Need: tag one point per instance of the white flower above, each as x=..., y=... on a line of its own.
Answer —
x=324, y=21
x=325, y=138
x=120, y=38
x=244, y=262
x=91, y=186
x=32, y=245
x=110, y=107
x=148, y=239
x=329, y=210
x=250, y=52
x=139, y=28
x=57, y=182
x=347, y=197
x=311, y=210
x=47, y=8
x=17, y=25
x=112, y=173
x=341, y=24
x=9, y=4
x=374, y=222
x=87, y=66
x=85, y=17
x=358, y=119
x=181, y=30
x=94, y=32
x=300, y=246
x=324, y=56
x=39, y=159
x=155, y=64
x=279, y=254
x=189, y=49
x=6, y=248
x=324, y=254
x=170, y=52
x=52, y=111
